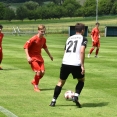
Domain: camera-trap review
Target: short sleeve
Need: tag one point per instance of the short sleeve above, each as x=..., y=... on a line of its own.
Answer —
x=84, y=42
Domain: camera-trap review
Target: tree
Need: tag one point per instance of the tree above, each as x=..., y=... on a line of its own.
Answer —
x=58, y=2
x=2, y=10
x=71, y=6
x=9, y=14
x=105, y=7
x=89, y=8
x=21, y=12
x=114, y=8
x=31, y=5
x=31, y=8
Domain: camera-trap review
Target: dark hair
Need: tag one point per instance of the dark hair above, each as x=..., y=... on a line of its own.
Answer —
x=1, y=26
x=79, y=27
x=97, y=23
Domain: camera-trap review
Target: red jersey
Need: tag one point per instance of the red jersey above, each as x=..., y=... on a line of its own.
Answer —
x=1, y=36
x=34, y=46
x=95, y=34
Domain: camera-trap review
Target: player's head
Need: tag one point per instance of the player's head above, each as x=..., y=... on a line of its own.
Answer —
x=80, y=28
x=41, y=29
x=97, y=24
x=1, y=27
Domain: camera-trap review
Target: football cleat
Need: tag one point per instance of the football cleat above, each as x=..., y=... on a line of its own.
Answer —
x=36, y=89
x=1, y=68
x=88, y=55
x=75, y=100
x=96, y=56
x=52, y=104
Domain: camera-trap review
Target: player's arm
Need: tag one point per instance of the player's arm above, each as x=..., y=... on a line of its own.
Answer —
x=47, y=51
x=82, y=54
x=92, y=35
x=29, y=59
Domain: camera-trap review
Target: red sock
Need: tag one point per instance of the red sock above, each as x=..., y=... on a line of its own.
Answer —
x=97, y=50
x=37, y=78
x=91, y=50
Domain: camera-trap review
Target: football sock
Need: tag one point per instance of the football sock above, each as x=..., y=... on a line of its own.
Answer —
x=97, y=50
x=91, y=50
x=57, y=91
x=37, y=78
x=79, y=87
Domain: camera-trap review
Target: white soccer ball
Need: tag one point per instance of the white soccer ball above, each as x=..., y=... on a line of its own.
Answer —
x=69, y=95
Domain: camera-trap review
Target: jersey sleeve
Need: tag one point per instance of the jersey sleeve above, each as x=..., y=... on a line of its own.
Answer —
x=92, y=32
x=28, y=43
x=84, y=42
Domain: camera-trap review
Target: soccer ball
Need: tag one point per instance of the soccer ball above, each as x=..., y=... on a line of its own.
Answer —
x=69, y=95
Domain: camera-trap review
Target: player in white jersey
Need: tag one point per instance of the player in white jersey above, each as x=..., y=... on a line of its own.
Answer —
x=73, y=63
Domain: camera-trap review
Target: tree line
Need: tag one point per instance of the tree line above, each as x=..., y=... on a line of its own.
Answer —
x=32, y=10
x=38, y=1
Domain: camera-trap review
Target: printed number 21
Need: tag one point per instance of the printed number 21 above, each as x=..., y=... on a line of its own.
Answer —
x=70, y=44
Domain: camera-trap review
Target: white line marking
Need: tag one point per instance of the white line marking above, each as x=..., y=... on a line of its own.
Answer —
x=7, y=112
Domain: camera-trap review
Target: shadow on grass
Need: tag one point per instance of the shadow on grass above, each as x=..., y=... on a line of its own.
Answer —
x=87, y=104
x=48, y=89
x=95, y=104
x=7, y=69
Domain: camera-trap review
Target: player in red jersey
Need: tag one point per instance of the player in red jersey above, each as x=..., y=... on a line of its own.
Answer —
x=95, y=36
x=1, y=53
x=33, y=53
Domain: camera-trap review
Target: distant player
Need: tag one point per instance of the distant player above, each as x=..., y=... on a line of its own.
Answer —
x=33, y=53
x=95, y=36
x=1, y=37
x=73, y=63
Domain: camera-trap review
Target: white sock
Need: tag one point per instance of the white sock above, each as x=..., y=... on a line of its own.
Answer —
x=76, y=94
x=53, y=100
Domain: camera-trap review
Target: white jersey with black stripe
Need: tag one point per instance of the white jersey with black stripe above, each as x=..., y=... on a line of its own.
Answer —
x=72, y=50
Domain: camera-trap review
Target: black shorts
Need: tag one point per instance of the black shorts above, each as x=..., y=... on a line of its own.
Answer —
x=67, y=69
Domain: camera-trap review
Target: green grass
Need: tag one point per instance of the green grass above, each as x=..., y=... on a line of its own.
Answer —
x=98, y=97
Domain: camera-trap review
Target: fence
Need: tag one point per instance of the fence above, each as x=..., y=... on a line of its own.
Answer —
x=16, y=30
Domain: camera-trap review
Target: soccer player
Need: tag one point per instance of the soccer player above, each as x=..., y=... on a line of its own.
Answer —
x=95, y=36
x=1, y=37
x=73, y=63
x=33, y=53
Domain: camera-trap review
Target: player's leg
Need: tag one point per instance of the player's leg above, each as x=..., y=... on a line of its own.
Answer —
x=38, y=74
x=57, y=91
x=80, y=84
x=1, y=57
x=64, y=72
x=78, y=89
x=91, y=50
x=97, y=49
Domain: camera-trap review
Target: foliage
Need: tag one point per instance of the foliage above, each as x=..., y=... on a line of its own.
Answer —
x=114, y=8
x=89, y=8
x=35, y=9
x=2, y=10
x=9, y=14
x=21, y=13
x=105, y=7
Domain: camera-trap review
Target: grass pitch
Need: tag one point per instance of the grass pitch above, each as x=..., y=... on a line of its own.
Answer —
x=98, y=97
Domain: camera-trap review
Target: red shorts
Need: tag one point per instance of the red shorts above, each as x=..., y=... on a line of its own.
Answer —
x=37, y=66
x=96, y=44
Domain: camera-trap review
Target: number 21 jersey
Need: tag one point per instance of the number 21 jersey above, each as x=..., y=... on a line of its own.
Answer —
x=72, y=50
